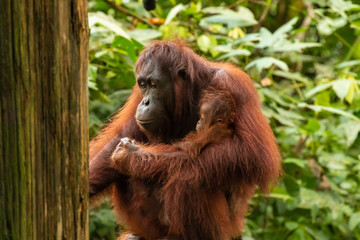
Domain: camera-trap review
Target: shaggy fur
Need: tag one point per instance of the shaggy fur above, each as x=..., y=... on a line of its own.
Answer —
x=234, y=166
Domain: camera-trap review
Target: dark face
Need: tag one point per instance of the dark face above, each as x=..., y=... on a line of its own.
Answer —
x=154, y=111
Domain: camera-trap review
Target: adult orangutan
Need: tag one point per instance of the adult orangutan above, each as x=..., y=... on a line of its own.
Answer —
x=217, y=113
x=164, y=108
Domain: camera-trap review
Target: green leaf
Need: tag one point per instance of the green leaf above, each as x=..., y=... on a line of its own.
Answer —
x=355, y=25
x=242, y=18
x=341, y=87
x=145, y=35
x=323, y=99
x=278, y=42
x=348, y=184
x=340, y=6
x=108, y=22
x=280, y=193
x=291, y=186
x=289, y=114
x=299, y=162
x=352, y=129
x=92, y=73
x=268, y=39
x=310, y=198
x=126, y=45
x=319, y=88
x=336, y=161
x=273, y=96
x=267, y=62
x=354, y=220
x=101, y=53
x=292, y=76
x=318, y=235
x=121, y=94
x=235, y=52
x=173, y=12
x=350, y=95
x=291, y=225
x=299, y=234
x=327, y=25
x=103, y=97
x=317, y=108
x=348, y=64
x=94, y=120
x=312, y=126
x=206, y=42
x=283, y=120
x=284, y=29
x=296, y=46
x=110, y=74
x=92, y=85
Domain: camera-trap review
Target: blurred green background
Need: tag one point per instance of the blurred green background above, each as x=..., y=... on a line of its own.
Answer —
x=304, y=57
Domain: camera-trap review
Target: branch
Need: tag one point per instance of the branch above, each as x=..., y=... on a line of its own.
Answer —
x=234, y=4
x=262, y=18
x=307, y=20
x=240, y=1
x=128, y=12
x=305, y=24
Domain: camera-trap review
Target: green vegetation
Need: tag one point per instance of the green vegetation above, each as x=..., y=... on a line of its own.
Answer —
x=304, y=57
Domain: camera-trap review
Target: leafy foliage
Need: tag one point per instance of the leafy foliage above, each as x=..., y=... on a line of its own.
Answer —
x=304, y=57
x=103, y=223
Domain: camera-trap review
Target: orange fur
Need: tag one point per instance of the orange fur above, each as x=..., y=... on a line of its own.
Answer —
x=234, y=166
x=222, y=106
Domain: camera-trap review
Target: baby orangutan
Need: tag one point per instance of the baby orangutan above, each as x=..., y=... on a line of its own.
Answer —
x=217, y=110
x=217, y=114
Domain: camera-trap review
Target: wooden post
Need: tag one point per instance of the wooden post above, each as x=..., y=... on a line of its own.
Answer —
x=43, y=119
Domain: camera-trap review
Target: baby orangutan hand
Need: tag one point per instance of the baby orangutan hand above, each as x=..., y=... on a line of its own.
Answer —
x=119, y=157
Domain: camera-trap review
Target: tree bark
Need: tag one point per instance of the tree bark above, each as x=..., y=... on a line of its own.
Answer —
x=43, y=119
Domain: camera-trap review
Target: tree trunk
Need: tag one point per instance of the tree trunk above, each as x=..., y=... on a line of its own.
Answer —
x=43, y=119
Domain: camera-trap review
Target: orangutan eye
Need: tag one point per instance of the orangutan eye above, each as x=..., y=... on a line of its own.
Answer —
x=142, y=84
x=152, y=84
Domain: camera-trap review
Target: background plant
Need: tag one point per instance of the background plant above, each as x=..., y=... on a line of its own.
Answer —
x=304, y=57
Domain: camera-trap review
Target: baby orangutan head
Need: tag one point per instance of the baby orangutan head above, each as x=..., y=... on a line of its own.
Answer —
x=216, y=107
